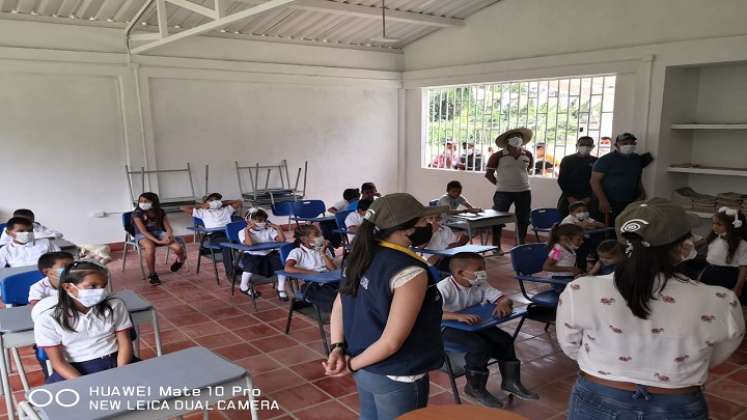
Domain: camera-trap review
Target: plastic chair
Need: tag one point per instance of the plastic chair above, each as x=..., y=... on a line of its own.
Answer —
x=307, y=209
x=542, y=220
x=527, y=260
x=206, y=243
x=342, y=230
x=14, y=291
x=284, y=208
x=130, y=241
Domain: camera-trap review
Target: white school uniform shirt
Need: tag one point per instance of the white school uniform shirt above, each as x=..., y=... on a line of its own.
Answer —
x=572, y=220
x=353, y=219
x=341, y=205
x=17, y=255
x=214, y=218
x=259, y=237
x=442, y=238
x=94, y=336
x=42, y=289
x=309, y=259
x=718, y=251
x=691, y=327
x=562, y=256
x=40, y=232
x=456, y=297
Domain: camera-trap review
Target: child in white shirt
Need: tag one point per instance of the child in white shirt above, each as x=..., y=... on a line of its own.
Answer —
x=565, y=239
x=264, y=263
x=214, y=211
x=355, y=218
x=86, y=331
x=51, y=265
x=468, y=286
x=443, y=238
x=40, y=231
x=23, y=249
x=312, y=254
x=455, y=200
x=349, y=196
x=727, y=252
x=579, y=215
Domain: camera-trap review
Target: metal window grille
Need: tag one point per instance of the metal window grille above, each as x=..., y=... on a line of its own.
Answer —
x=463, y=121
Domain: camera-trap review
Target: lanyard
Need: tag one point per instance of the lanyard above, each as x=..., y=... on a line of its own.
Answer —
x=401, y=249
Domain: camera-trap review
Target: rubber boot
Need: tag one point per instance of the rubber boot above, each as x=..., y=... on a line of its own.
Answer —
x=511, y=380
x=475, y=388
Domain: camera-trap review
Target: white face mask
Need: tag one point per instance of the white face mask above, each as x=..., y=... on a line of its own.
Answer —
x=480, y=277
x=515, y=142
x=582, y=216
x=215, y=204
x=627, y=149
x=24, y=237
x=145, y=206
x=260, y=225
x=584, y=150
x=90, y=297
x=318, y=242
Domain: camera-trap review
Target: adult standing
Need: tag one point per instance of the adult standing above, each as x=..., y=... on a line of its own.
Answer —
x=617, y=178
x=645, y=337
x=448, y=159
x=575, y=176
x=509, y=169
x=386, y=320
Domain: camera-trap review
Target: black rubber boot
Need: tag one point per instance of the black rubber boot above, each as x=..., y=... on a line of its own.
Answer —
x=511, y=380
x=475, y=388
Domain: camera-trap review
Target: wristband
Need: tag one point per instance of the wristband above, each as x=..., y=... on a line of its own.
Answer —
x=350, y=368
x=340, y=345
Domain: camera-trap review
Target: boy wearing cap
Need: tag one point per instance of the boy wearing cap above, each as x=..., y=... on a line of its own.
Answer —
x=214, y=211
x=508, y=169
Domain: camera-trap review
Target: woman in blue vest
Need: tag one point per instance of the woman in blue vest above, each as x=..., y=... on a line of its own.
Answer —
x=386, y=320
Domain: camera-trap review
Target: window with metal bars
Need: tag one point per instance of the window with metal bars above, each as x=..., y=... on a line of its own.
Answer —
x=462, y=122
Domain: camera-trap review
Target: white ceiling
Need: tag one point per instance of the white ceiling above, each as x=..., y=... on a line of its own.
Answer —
x=336, y=23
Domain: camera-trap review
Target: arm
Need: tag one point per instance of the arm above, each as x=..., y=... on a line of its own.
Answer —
x=59, y=364
x=738, y=288
x=563, y=180
x=352, y=229
x=329, y=260
x=189, y=209
x=248, y=241
x=570, y=335
x=404, y=310
x=642, y=189
x=530, y=168
x=168, y=228
x=124, y=348
x=290, y=266
x=456, y=316
x=491, y=166
x=280, y=233
x=336, y=364
x=551, y=266
x=594, y=270
x=236, y=204
x=141, y=228
x=596, y=187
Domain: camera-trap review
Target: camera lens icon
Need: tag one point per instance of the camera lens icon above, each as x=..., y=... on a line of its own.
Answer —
x=64, y=398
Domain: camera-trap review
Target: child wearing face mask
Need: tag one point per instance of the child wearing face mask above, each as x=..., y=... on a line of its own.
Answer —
x=214, y=211
x=443, y=238
x=727, y=252
x=579, y=215
x=312, y=254
x=23, y=249
x=51, y=265
x=86, y=331
x=264, y=263
x=610, y=253
x=565, y=240
x=468, y=286
x=40, y=231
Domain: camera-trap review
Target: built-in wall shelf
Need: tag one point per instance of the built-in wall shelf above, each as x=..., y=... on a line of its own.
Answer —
x=695, y=126
x=707, y=170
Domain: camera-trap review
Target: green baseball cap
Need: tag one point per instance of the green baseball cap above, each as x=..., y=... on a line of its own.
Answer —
x=395, y=209
x=657, y=221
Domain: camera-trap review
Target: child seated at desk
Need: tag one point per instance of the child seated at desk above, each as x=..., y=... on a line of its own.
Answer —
x=369, y=191
x=579, y=215
x=312, y=254
x=51, y=265
x=264, y=263
x=40, y=231
x=610, y=253
x=86, y=331
x=443, y=238
x=349, y=197
x=355, y=218
x=23, y=249
x=468, y=286
x=153, y=229
x=214, y=211
x=455, y=200
x=565, y=239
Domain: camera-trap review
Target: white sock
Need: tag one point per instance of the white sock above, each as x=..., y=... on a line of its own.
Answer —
x=245, y=280
x=281, y=283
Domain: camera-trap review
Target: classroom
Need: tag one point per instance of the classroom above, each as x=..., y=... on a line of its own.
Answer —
x=374, y=209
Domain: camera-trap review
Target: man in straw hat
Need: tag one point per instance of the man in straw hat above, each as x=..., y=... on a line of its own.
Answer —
x=509, y=170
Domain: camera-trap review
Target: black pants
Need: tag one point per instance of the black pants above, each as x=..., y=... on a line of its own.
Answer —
x=616, y=207
x=490, y=343
x=522, y=202
x=717, y=275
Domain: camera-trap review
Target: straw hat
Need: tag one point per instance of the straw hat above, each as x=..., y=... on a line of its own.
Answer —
x=502, y=140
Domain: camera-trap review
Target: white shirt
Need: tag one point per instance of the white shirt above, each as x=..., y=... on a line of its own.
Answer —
x=353, y=219
x=453, y=203
x=259, y=237
x=40, y=232
x=562, y=256
x=309, y=259
x=572, y=220
x=692, y=326
x=718, y=251
x=41, y=289
x=457, y=297
x=94, y=336
x=17, y=255
x=512, y=173
x=214, y=218
x=442, y=238
x=341, y=205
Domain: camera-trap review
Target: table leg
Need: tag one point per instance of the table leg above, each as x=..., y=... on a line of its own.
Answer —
x=7, y=392
x=252, y=405
x=21, y=370
x=156, y=332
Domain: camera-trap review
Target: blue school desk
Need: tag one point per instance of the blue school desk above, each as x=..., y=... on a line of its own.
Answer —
x=320, y=219
x=17, y=330
x=265, y=246
x=484, y=219
x=450, y=252
x=487, y=320
x=195, y=368
x=326, y=277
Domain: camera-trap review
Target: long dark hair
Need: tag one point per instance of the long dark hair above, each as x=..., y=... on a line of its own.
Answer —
x=636, y=275
x=153, y=198
x=734, y=235
x=65, y=312
x=560, y=230
x=365, y=245
x=302, y=231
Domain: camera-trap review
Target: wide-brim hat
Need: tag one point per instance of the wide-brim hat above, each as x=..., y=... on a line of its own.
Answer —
x=396, y=209
x=525, y=133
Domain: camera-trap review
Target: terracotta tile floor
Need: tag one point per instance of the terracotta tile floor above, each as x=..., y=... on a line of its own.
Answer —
x=194, y=311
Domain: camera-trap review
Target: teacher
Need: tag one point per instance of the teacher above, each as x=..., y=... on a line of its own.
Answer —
x=509, y=169
x=386, y=320
x=645, y=336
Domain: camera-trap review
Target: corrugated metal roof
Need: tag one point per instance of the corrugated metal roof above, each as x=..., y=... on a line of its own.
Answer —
x=314, y=25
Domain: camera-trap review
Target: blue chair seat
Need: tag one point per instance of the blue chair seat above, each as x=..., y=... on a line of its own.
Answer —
x=547, y=298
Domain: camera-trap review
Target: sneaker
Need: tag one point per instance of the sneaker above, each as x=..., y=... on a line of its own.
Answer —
x=176, y=266
x=154, y=280
x=248, y=292
x=282, y=295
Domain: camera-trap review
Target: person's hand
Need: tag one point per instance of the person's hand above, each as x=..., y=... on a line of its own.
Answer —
x=205, y=206
x=503, y=307
x=166, y=239
x=251, y=224
x=337, y=364
x=468, y=318
x=463, y=239
x=604, y=207
x=326, y=244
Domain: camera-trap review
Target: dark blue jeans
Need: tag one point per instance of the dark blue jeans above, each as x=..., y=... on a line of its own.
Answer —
x=590, y=401
x=384, y=399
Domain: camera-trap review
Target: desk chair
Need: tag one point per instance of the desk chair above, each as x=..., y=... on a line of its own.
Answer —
x=342, y=230
x=232, y=261
x=527, y=260
x=130, y=240
x=206, y=244
x=434, y=202
x=542, y=220
x=307, y=209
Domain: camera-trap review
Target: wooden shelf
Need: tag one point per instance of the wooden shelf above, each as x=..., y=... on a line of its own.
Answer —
x=695, y=126
x=706, y=170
